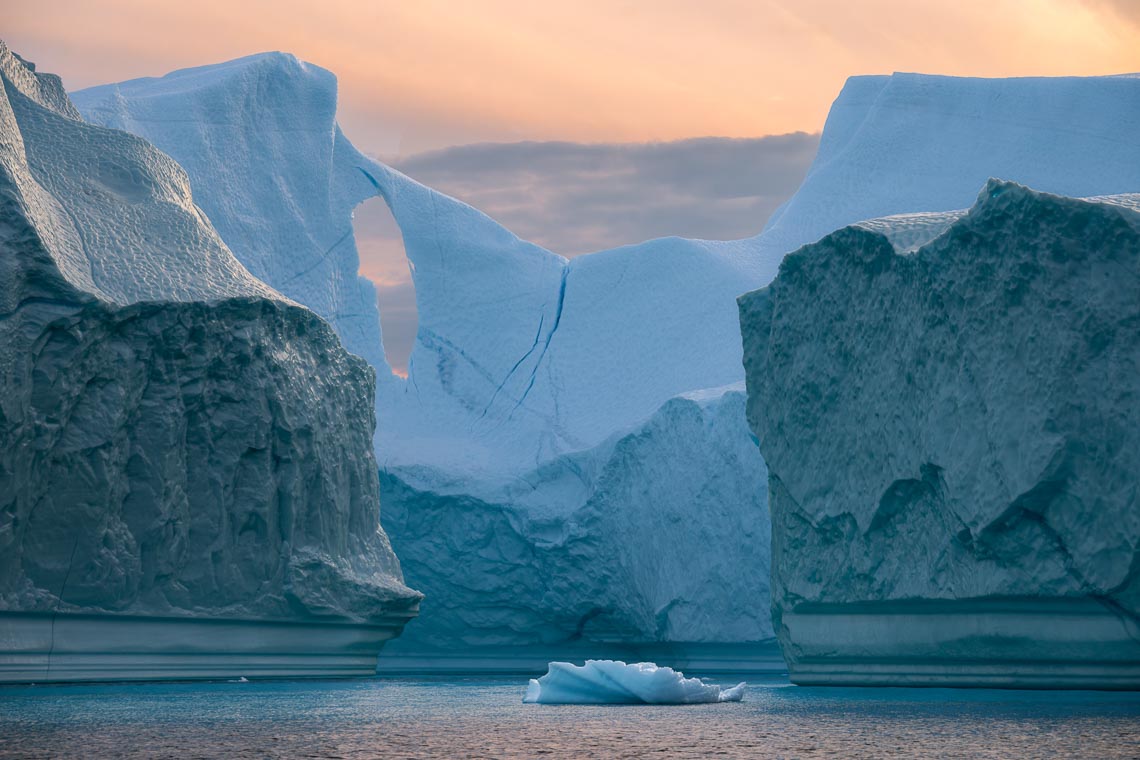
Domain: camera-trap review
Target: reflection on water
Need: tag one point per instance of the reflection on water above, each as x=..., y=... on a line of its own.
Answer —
x=485, y=717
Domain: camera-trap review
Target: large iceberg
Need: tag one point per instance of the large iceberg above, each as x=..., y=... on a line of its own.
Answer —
x=612, y=682
x=187, y=482
x=950, y=422
x=560, y=466
x=549, y=421
x=533, y=354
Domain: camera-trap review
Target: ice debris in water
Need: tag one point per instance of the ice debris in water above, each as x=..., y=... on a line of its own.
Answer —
x=612, y=682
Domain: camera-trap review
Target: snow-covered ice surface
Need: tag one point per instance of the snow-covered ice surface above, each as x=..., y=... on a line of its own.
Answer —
x=528, y=367
x=951, y=433
x=114, y=214
x=612, y=682
x=185, y=455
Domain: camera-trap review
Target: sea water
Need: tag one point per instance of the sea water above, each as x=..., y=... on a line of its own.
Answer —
x=485, y=717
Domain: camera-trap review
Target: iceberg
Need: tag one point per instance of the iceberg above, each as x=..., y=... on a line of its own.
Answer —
x=516, y=343
x=187, y=482
x=548, y=427
x=612, y=682
x=546, y=441
x=950, y=429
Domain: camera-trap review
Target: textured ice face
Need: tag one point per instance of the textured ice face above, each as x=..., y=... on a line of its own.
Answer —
x=175, y=436
x=258, y=139
x=114, y=213
x=658, y=534
x=612, y=682
x=957, y=423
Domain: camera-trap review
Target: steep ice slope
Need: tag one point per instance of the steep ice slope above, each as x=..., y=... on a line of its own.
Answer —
x=187, y=486
x=116, y=214
x=525, y=359
x=258, y=139
x=952, y=442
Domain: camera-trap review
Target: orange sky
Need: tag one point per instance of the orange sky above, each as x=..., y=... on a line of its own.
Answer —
x=419, y=74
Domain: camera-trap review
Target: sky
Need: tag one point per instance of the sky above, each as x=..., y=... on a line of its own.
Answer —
x=588, y=124
x=428, y=74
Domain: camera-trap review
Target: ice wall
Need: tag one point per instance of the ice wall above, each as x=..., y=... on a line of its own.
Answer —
x=179, y=444
x=951, y=441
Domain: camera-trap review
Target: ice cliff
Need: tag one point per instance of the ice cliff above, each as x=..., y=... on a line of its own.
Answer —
x=951, y=434
x=187, y=483
x=544, y=426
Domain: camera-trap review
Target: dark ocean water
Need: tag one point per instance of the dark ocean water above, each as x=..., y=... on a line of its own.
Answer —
x=459, y=718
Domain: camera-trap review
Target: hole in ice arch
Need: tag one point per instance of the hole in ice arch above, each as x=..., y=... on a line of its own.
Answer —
x=384, y=262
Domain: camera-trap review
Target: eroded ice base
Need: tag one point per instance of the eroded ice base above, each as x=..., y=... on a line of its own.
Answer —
x=613, y=682
x=1003, y=642
x=44, y=647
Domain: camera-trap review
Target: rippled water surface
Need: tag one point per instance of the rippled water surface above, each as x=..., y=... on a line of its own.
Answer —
x=459, y=718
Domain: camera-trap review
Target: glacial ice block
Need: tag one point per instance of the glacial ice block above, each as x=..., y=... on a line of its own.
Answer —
x=187, y=483
x=612, y=682
x=951, y=437
x=548, y=409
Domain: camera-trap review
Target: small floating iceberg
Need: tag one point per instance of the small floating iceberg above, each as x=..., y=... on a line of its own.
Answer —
x=612, y=682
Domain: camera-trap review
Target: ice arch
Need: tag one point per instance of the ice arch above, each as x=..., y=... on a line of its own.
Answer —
x=384, y=262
